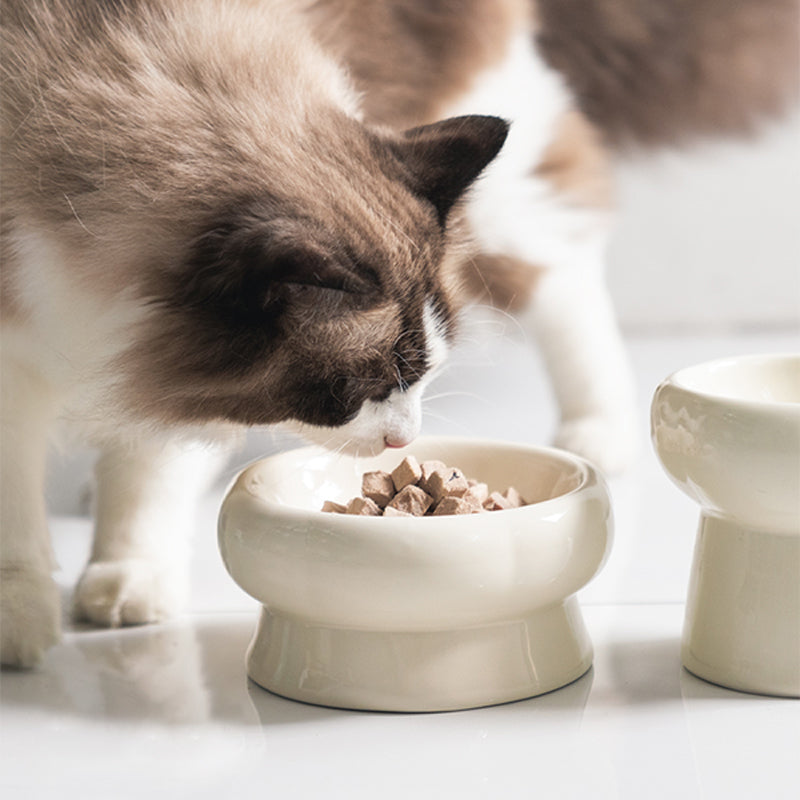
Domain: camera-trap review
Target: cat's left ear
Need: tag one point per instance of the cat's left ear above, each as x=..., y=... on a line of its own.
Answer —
x=445, y=158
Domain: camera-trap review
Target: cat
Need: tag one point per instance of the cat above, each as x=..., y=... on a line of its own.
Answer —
x=220, y=213
x=200, y=232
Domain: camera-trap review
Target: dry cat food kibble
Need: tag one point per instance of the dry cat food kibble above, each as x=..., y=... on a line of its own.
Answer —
x=424, y=490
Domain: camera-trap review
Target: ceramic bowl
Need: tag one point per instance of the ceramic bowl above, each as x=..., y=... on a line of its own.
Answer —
x=728, y=434
x=416, y=614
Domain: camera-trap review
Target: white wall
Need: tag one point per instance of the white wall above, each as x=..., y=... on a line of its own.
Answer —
x=710, y=238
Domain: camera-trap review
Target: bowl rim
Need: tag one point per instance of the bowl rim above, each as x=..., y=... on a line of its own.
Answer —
x=587, y=475
x=677, y=380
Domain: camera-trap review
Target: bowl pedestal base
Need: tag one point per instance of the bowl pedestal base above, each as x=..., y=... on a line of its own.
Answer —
x=420, y=670
x=742, y=625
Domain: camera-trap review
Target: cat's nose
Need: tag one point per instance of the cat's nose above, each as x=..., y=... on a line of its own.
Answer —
x=396, y=441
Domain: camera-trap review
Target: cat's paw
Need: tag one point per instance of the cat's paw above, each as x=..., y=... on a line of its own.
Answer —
x=128, y=592
x=30, y=617
x=611, y=443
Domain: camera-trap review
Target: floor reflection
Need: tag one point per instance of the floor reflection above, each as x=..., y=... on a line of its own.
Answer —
x=644, y=671
x=176, y=673
x=192, y=672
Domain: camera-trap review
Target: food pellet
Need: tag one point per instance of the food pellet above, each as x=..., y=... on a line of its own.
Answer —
x=378, y=486
x=408, y=471
x=391, y=511
x=478, y=491
x=427, y=489
x=412, y=500
x=364, y=507
x=455, y=505
x=496, y=502
x=427, y=468
x=513, y=497
x=447, y=482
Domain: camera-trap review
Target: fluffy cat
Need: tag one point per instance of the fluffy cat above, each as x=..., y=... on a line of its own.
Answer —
x=199, y=232
x=226, y=212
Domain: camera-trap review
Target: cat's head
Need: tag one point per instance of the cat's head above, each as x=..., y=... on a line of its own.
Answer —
x=328, y=303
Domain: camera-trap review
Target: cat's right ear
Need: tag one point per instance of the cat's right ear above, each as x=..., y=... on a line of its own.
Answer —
x=445, y=158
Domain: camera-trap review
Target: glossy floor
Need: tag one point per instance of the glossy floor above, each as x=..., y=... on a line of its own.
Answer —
x=167, y=711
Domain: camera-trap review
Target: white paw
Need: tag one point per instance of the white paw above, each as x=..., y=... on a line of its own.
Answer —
x=129, y=592
x=611, y=443
x=30, y=617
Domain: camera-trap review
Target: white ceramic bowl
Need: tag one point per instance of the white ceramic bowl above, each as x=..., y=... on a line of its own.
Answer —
x=728, y=433
x=420, y=614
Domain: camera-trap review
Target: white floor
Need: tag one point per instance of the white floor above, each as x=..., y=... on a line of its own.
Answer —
x=167, y=711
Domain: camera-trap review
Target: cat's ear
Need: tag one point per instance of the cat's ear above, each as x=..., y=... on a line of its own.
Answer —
x=445, y=158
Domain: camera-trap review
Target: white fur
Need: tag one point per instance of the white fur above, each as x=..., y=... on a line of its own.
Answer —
x=147, y=492
x=72, y=336
x=515, y=213
x=58, y=367
x=28, y=595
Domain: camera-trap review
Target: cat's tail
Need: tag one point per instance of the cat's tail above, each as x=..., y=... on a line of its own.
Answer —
x=668, y=71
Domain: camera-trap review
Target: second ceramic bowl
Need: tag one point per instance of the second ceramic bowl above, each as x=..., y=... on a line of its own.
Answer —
x=728, y=434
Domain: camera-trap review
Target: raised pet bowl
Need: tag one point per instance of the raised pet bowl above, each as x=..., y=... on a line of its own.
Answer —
x=728, y=433
x=419, y=614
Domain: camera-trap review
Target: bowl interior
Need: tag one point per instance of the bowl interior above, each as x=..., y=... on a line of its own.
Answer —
x=752, y=379
x=305, y=478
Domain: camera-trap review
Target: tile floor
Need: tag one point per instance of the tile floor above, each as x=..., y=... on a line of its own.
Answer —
x=167, y=711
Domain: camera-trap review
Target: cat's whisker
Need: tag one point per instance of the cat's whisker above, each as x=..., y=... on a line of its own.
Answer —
x=407, y=363
x=77, y=218
x=339, y=451
x=440, y=395
x=460, y=426
x=479, y=273
x=488, y=319
x=392, y=224
x=22, y=122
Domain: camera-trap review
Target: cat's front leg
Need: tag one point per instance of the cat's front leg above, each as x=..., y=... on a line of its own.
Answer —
x=540, y=218
x=552, y=276
x=147, y=491
x=573, y=319
x=30, y=616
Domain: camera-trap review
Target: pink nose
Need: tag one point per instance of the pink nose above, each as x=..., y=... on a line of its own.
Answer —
x=395, y=441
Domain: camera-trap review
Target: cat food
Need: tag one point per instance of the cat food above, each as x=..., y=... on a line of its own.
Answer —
x=408, y=471
x=412, y=500
x=378, y=487
x=427, y=489
x=363, y=506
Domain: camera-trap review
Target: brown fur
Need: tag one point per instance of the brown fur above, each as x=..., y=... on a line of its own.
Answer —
x=647, y=73
x=505, y=282
x=657, y=73
x=410, y=58
x=202, y=158
x=577, y=164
